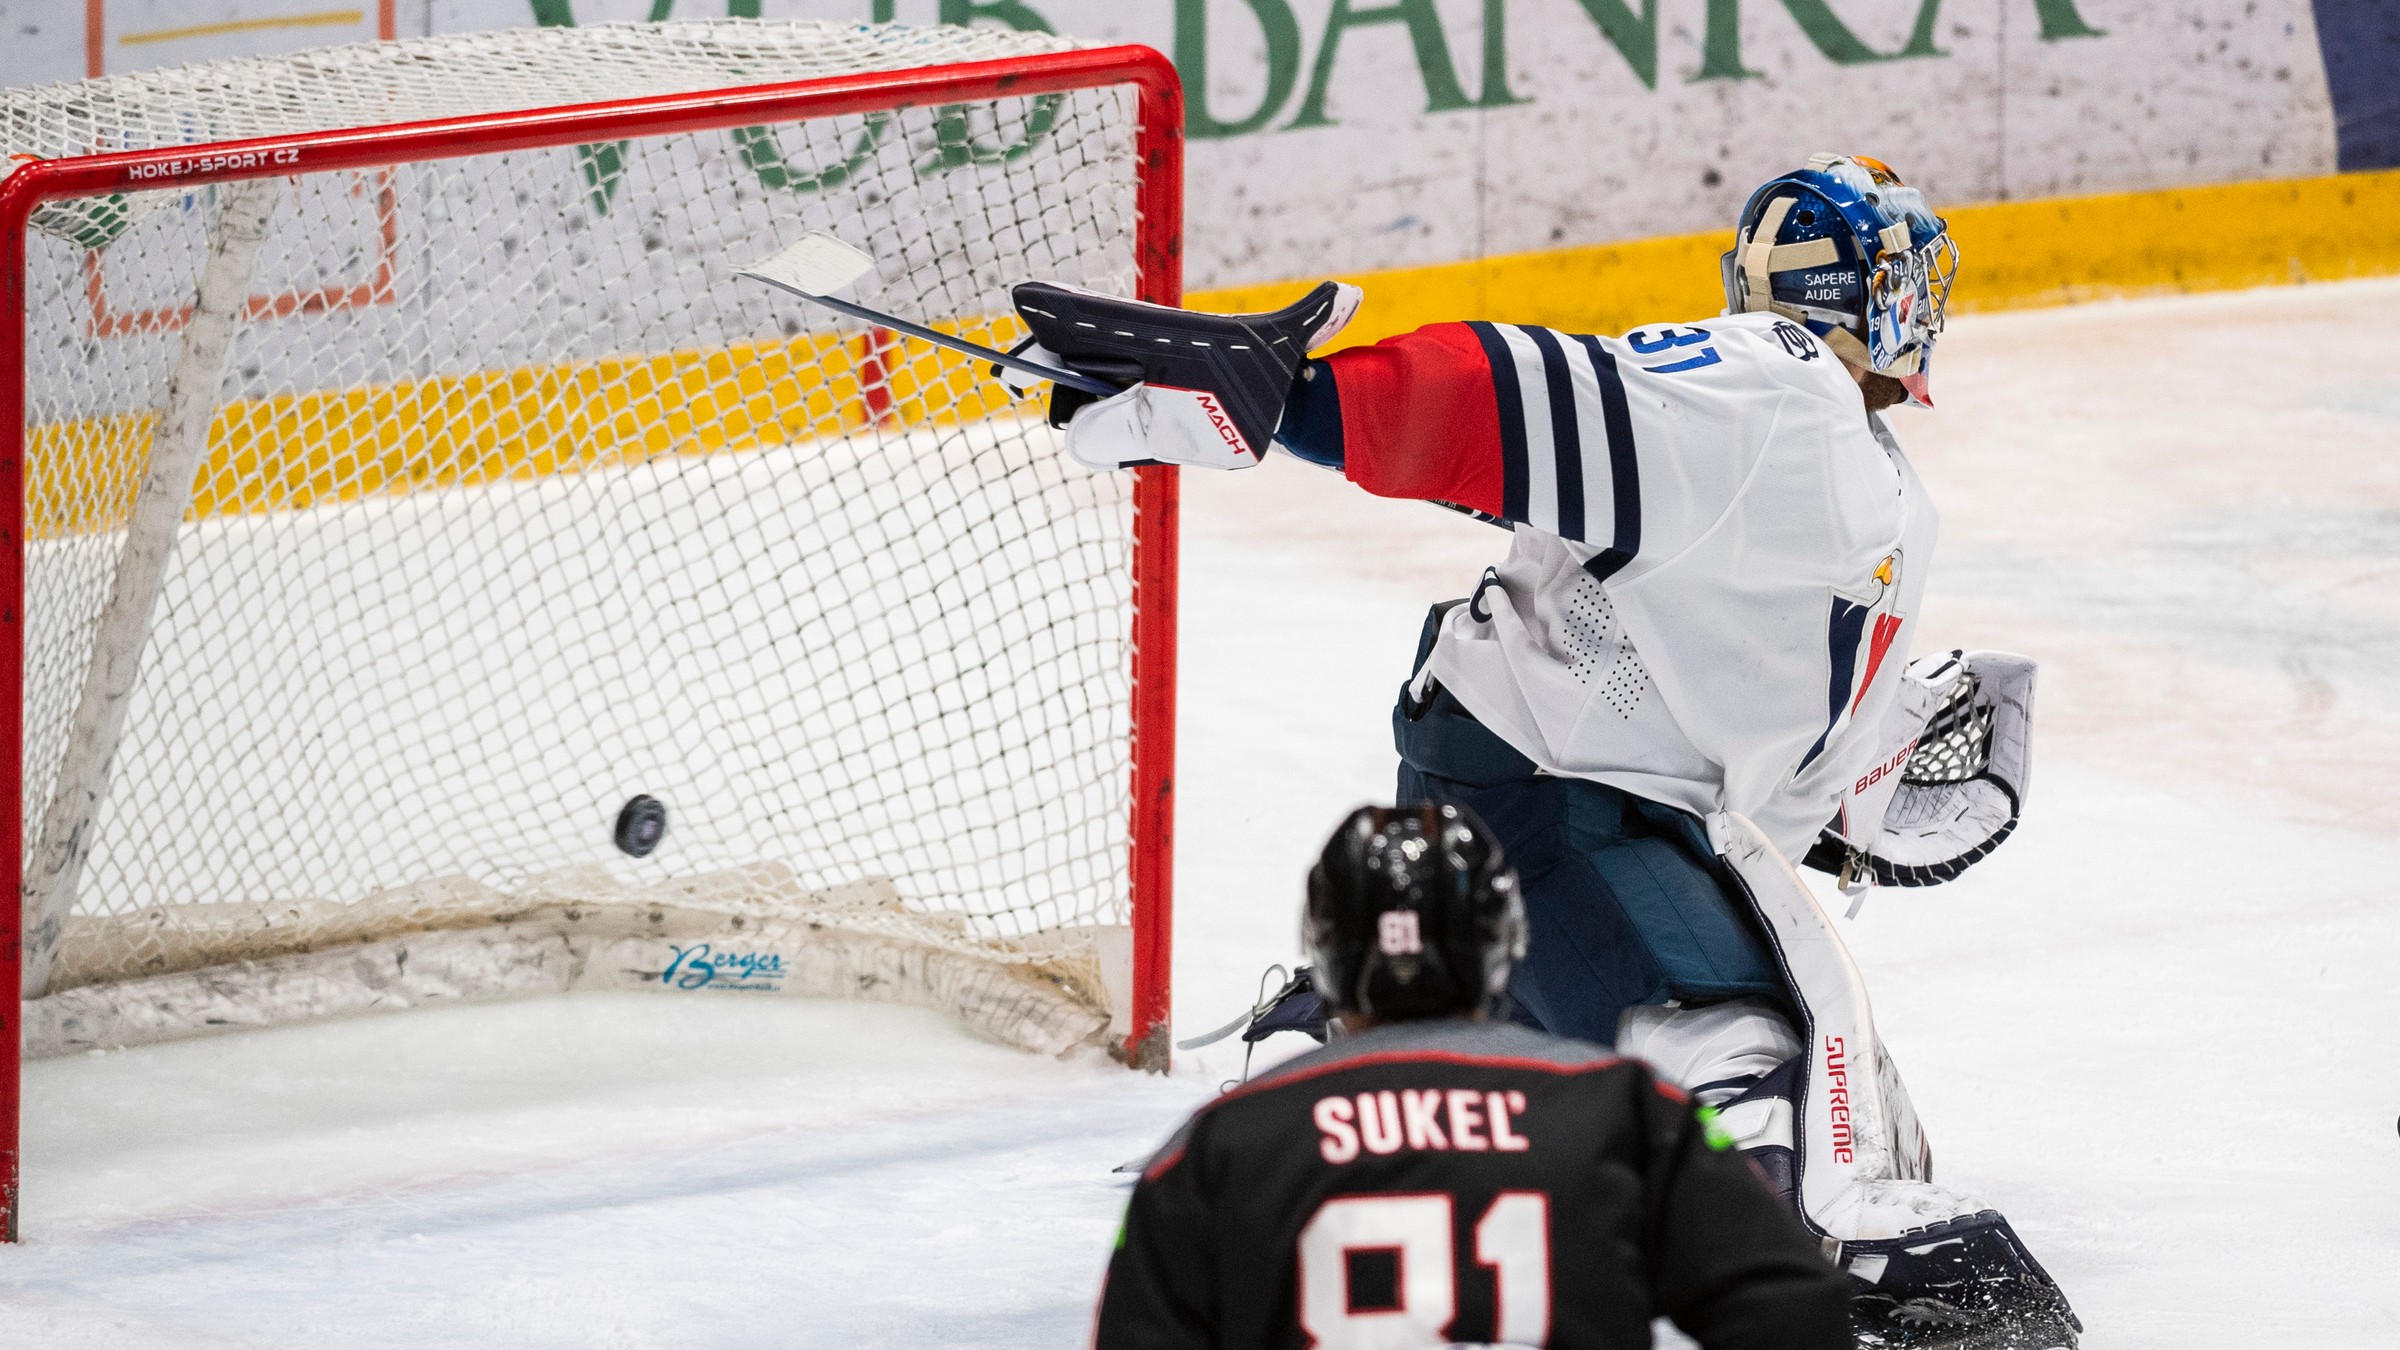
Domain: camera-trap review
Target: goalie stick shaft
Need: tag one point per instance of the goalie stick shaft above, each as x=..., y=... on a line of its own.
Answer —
x=1069, y=378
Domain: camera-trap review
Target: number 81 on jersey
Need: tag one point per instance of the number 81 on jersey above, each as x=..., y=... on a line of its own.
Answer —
x=1412, y=1233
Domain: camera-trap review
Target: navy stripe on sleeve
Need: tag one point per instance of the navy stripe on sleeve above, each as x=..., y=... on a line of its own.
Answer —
x=1624, y=468
x=1565, y=430
x=1510, y=398
x=1843, y=628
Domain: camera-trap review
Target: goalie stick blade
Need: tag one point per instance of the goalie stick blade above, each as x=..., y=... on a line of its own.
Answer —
x=817, y=266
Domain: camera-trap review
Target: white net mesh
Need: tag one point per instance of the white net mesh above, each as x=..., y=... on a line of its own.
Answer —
x=516, y=505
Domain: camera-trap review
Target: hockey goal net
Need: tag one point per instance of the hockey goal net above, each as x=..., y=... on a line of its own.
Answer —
x=411, y=510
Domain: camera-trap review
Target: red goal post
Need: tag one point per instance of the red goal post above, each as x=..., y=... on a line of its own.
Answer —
x=1159, y=155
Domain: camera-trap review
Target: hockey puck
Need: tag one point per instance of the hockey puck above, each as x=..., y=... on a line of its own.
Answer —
x=641, y=825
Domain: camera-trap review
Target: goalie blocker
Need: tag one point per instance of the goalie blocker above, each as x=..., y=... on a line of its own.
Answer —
x=1204, y=389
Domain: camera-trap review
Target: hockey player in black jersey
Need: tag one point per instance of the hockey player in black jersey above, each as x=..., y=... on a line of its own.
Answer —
x=1434, y=1177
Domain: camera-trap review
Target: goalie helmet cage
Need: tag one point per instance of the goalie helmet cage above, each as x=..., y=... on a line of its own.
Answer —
x=398, y=488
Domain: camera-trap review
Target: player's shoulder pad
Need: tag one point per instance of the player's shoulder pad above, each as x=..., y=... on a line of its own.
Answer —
x=1787, y=350
x=1744, y=348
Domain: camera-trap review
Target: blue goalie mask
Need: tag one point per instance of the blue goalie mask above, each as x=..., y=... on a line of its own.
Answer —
x=1846, y=248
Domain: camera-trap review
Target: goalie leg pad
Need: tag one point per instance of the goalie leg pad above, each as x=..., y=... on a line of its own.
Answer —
x=1932, y=1268
x=1964, y=1284
x=1216, y=383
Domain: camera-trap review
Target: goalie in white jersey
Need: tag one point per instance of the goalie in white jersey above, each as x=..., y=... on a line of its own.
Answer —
x=1689, y=671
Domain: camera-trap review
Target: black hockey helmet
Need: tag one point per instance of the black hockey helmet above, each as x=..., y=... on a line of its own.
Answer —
x=1412, y=913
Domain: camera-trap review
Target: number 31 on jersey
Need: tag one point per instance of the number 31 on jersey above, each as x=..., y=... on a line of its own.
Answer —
x=1412, y=1231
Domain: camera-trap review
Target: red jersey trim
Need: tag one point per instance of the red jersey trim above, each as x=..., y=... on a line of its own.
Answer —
x=1420, y=419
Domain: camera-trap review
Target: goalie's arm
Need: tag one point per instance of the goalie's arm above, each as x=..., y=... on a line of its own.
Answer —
x=1523, y=425
x=1514, y=423
x=1531, y=426
x=1413, y=417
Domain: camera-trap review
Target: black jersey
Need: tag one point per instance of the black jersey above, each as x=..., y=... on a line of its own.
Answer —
x=1429, y=1183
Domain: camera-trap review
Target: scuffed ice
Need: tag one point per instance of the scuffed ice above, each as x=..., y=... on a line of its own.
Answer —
x=2155, y=1029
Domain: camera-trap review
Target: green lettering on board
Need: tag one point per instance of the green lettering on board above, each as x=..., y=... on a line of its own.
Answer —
x=603, y=166
x=955, y=143
x=1920, y=38
x=1721, y=45
x=602, y=163
x=1496, y=93
x=2059, y=20
x=763, y=155
x=1432, y=47
x=1014, y=13
x=1635, y=39
x=1282, y=32
x=1831, y=36
x=1721, y=49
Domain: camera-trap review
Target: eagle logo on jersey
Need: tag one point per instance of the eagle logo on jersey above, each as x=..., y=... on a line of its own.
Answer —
x=1859, y=631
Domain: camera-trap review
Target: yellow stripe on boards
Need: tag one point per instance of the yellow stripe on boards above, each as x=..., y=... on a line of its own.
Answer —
x=2013, y=255
x=311, y=449
x=332, y=18
x=2061, y=250
x=296, y=451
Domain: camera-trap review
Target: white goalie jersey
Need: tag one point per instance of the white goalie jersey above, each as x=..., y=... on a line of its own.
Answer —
x=1717, y=562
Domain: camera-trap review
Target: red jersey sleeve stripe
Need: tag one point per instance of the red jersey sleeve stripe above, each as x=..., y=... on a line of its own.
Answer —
x=1420, y=419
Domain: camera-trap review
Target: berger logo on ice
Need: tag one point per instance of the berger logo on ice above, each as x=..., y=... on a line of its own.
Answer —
x=702, y=966
x=1837, y=1098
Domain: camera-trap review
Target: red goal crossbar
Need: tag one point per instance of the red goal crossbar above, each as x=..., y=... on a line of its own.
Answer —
x=1159, y=278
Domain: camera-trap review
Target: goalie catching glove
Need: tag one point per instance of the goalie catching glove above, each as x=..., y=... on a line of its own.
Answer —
x=1203, y=389
x=1953, y=790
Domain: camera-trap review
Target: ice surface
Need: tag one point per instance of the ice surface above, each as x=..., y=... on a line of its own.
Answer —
x=2161, y=1028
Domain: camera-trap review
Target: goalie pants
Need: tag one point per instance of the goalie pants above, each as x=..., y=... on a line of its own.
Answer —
x=1625, y=902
